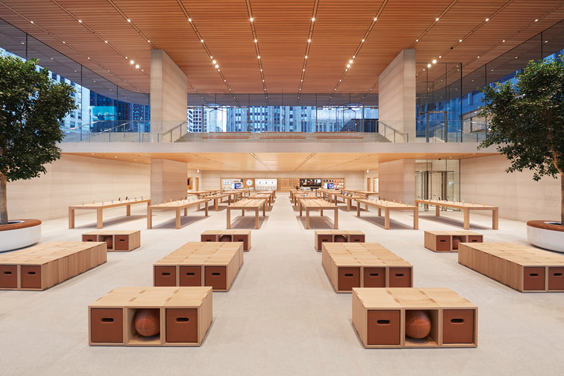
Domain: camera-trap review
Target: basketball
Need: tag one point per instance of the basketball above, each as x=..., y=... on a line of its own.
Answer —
x=417, y=324
x=455, y=242
x=225, y=238
x=340, y=239
x=147, y=322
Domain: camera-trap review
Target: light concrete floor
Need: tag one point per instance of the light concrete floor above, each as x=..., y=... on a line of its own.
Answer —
x=281, y=316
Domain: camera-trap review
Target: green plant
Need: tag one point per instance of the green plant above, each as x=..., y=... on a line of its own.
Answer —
x=526, y=120
x=32, y=108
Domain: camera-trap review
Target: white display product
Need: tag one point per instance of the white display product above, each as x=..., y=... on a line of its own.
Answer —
x=266, y=184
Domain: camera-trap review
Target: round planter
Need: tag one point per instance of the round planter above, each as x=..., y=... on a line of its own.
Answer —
x=546, y=234
x=19, y=233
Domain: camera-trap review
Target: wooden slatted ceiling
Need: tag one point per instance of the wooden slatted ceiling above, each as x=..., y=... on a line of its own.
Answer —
x=278, y=161
x=282, y=28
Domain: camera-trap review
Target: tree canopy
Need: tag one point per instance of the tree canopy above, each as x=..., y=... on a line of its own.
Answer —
x=32, y=107
x=526, y=119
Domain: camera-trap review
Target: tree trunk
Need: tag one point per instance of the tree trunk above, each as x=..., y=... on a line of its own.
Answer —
x=3, y=200
x=561, y=199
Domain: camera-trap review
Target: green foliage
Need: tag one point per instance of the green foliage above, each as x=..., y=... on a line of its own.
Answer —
x=32, y=108
x=526, y=120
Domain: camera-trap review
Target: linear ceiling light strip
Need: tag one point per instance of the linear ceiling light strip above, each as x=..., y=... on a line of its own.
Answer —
x=260, y=161
x=257, y=49
x=305, y=161
x=308, y=47
x=208, y=52
x=358, y=48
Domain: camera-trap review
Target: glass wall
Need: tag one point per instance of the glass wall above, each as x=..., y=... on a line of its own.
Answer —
x=102, y=106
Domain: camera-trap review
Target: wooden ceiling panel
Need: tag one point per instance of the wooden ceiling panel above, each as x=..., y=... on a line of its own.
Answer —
x=282, y=28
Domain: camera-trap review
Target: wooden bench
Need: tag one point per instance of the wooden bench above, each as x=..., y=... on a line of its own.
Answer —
x=379, y=317
x=447, y=241
x=45, y=265
x=200, y=264
x=184, y=315
x=337, y=236
x=243, y=236
x=518, y=266
x=126, y=240
x=351, y=265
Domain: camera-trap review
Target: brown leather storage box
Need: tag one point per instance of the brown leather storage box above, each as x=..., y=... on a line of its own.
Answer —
x=383, y=327
x=165, y=276
x=181, y=325
x=9, y=276
x=190, y=276
x=106, y=325
x=458, y=326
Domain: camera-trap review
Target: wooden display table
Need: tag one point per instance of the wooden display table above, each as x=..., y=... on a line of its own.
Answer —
x=243, y=236
x=317, y=204
x=100, y=206
x=518, y=266
x=184, y=316
x=337, y=236
x=217, y=198
x=387, y=206
x=328, y=194
x=126, y=240
x=379, y=317
x=304, y=196
x=348, y=199
x=45, y=265
x=174, y=205
x=234, y=195
x=200, y=264
x=261, y=196
x=247, y=204
x=447, y=241
x=351, y=265
x=465, y=207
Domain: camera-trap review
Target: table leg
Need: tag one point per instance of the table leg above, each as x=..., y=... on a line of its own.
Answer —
x=466, y=218
x=416, y=218
x=358, y=210
x=387, y=219
x=207, y=209
x=379, y=212
x=128, y=210
x=71, y=218
x=228, y=218
x=321, y=212
x=307, y=218
x=243, y=213
x=186, y=212
x=349, y=204
x=257, y=218
x=495, y=218
x=300, y=205
x=365, y=206
x=99, y=218
x=149, y=218
x=264, y=210
x=178, y=218
x=216, y=204
x=437, y=210
x=336, y=221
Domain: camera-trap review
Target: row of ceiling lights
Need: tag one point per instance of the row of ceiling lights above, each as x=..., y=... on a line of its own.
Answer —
x=257, y=48
x=307, y=49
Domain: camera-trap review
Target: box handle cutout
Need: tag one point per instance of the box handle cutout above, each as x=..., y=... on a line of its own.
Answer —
x=190, y=273
x=8, y=273
x=557, y=274
x=31, y=273
x=383, y=322
x=165, y=273
x=348, y=275
x=182, y=319
x=442, y=241
x=121, y=240
x=399, y=274
x=456, y=321
x=534, y=275
x=374, y=274
x=107, y=319
x=216, y=274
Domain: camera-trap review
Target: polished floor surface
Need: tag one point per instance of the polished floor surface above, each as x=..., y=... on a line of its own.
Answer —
x=281, y=316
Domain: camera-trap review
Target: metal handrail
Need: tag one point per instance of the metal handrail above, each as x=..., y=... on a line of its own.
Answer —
x=386, y=126
x=184, y=123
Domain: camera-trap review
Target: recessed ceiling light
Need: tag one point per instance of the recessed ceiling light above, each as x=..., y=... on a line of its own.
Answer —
x=363, y=41
x=437, y=19
x=64, y=42
x=256, y=41
x=487, y=19
x=306, y=56
x=434, y=61
x=79, y=21
x=214, y=62
x=128, y=20
x=258, y=57
x=303, y=70
x=137, y=66
x=201, y=40
x=106, y=41
x=416, y=40
x=189, y=20
x=217, y=66
x=31, y=21
x=251, y=19
x=350, y=61
x=309, y=40
x=131, y=62
x=478, y=56
x=440, y=57
x=348, y=65
x=537, y=20
x=375, y=18
x=312, y=19
x=460, y=41
x=148, y=41
x=503, y=41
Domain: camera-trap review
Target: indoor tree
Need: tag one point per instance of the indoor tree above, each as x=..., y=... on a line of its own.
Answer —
x=32, y=107
x=526, y=120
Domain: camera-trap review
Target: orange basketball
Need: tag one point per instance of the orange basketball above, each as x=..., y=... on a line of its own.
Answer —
x=340, y=239
x=455, y=242
x=417, y=324
x=147, y=322
x=225, y=238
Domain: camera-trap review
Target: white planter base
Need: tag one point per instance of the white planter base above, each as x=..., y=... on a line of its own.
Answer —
x=19, y=238
x=547, y=239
